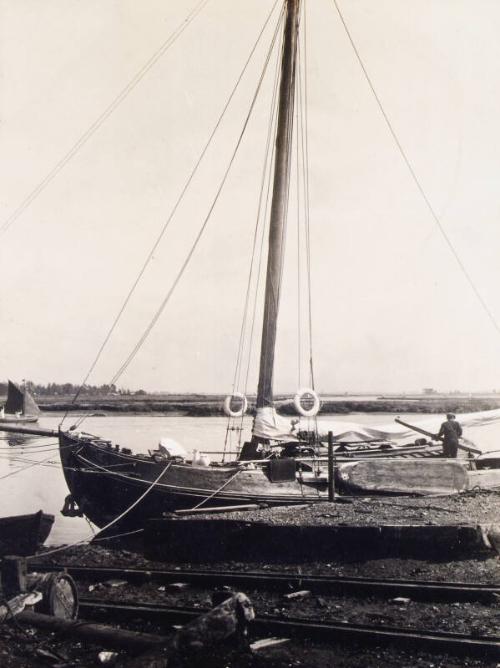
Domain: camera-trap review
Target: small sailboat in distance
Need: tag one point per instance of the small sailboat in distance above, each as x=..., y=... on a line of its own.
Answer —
x=20, y=406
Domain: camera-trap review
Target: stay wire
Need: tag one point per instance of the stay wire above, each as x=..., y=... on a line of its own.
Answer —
x=236, y=379
x=413, y=174
x=122, y=95
x=37, y=463
x=116, y=519
x=171, y=215
x=299, y=244
x=259, y=218
x=265, y=219
x=185, y=264
x=305, y=135
x=307, y=204
x=276, y=289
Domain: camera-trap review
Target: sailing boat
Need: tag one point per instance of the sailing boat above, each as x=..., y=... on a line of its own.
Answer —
x=20, y=406
x=285, y=462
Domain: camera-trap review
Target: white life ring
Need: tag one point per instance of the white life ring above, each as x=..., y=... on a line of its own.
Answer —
x=306, y=391
x=227, y=405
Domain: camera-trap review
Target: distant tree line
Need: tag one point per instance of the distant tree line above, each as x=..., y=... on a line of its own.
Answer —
x=65, y=389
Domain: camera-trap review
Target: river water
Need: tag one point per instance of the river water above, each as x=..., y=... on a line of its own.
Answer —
x=32, y=479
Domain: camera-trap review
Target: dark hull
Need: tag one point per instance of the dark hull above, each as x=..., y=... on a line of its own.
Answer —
x=22, y=535
x=104, y=483
x=102, y=495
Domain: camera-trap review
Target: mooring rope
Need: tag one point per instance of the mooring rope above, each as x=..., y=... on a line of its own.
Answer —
x=217, y=490
x=110, y=524
x=37, y=463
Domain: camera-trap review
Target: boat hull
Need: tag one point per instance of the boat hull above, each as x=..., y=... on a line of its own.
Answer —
x=105, y=483
x=109, y=485
x=22, y=535
x=18, y=419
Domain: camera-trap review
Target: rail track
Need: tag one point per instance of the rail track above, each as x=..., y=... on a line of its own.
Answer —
x=315, y=629
x=417, y=590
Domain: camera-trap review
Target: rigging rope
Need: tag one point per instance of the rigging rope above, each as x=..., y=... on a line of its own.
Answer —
x=245, y=310
x=299, y=265
x=110, y=524
x=265, y=218
x=268, y=157
x=276, y=289
x=172, y=213
x=225, y=484
x=37, y=463
x=305, y=142
x=185, y=264
x=413, y=174
x=102, y=117
x=304, y=136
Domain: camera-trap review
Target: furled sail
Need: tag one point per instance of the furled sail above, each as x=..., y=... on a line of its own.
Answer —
x=269, y=425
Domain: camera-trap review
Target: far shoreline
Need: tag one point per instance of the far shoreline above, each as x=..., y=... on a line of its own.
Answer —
x=212, y=406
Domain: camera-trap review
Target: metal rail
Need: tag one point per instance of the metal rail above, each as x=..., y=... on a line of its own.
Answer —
x=417, y=590
x=320, y=630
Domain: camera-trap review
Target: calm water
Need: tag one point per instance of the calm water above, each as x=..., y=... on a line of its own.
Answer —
x=35, y=479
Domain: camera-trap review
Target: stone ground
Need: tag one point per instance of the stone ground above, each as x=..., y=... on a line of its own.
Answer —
x=26, y=647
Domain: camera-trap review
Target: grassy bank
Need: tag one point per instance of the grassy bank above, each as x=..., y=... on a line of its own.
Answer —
x=211, y=405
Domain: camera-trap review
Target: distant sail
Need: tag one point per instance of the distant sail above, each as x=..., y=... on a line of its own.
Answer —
x=20, y=401
x=30, y=405
x=15, y=399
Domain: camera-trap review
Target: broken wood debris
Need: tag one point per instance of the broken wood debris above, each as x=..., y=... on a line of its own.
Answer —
x=297, y=594
x=230, y=618
x=264, y=643
x=17, y=604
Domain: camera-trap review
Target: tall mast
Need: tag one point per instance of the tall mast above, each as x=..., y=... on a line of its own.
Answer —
x=279, y=203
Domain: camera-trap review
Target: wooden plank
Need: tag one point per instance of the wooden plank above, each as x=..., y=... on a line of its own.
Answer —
x=102, y=634
x=218, y=509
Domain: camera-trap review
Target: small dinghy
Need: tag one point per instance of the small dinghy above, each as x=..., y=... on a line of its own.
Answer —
x=22, y=535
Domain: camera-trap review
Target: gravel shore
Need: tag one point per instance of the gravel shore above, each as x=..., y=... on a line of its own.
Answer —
x=22, y=647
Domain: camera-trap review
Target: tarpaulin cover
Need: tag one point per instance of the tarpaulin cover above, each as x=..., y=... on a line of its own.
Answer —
x=392, y=430
x=268, y=424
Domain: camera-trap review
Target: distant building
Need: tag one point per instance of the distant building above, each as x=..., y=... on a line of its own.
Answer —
x=429, y=390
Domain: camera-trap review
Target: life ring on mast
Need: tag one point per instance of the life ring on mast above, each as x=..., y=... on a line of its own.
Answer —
x=306, y=392
x=227, y=405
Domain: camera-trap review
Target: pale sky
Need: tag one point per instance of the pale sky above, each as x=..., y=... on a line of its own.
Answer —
x=391, y=309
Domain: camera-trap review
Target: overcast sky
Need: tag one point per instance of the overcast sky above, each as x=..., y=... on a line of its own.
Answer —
x=391, y=307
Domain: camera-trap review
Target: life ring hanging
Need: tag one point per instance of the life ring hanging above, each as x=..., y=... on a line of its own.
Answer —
x=227, y=405
x=309, y=393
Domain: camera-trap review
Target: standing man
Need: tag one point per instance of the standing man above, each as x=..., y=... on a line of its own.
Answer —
x=450, y=432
